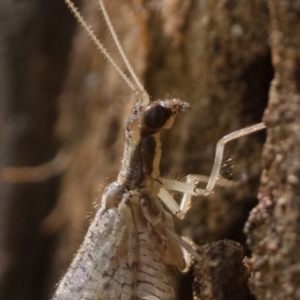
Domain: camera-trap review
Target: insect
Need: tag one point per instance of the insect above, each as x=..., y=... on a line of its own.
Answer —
x=131, y=241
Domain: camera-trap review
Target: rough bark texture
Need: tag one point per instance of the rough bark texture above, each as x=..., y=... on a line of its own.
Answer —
x=222, y=272
x=212, y=54
x=273, y=226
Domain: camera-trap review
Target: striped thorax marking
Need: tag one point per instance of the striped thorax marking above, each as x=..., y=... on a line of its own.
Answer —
x=127, y=248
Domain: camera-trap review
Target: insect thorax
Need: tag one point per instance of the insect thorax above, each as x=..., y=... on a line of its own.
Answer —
x=142, y=152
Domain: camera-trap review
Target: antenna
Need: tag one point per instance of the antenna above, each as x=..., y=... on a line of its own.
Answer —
x=119, y=47
x=139, y=89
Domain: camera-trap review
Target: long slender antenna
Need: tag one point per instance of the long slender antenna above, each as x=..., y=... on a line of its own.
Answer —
x=119, y=47
x=100, y=45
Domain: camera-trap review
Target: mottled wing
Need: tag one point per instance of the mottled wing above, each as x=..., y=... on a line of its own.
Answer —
x=154, y=280
x=95, y=256
x=116, y=261
x=148, y=281
x=141, y=272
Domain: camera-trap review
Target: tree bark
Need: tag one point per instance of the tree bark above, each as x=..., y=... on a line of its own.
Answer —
x=212, y=54
x=273, y=226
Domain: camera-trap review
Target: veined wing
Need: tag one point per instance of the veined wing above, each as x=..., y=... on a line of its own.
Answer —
x=117, y=260
x=147, y=279
x=138, y=270
x=94, y=258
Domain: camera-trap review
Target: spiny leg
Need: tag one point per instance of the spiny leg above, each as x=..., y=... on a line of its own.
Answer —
x=188, y=187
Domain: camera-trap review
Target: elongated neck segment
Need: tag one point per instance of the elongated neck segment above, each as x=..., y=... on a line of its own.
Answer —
x=142, y=152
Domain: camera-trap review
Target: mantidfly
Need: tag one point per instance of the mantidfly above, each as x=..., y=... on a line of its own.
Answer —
x=131, y=242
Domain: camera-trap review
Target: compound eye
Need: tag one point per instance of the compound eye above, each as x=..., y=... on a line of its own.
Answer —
x=156, y=116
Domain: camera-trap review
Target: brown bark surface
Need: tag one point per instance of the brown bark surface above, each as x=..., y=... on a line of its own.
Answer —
x=222, y=272
x=212, y=54
x=273, y=226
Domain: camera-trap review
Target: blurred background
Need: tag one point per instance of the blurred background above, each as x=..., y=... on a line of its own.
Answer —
x=63, y=110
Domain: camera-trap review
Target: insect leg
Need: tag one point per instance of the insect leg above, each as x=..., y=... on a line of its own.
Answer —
x=188, y=187
x=220, y=151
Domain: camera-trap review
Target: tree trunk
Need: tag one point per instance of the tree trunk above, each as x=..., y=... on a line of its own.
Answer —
x=212, y=54
x=273, y=226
